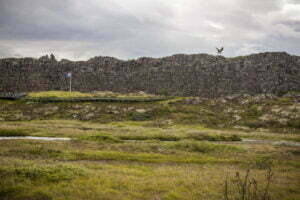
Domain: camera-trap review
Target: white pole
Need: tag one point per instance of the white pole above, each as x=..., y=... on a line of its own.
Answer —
x=70, y=83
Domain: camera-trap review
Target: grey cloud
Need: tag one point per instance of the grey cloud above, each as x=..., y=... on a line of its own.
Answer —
x=293, y=24
x=80, y=29
x=65, y=21
x=294, y=1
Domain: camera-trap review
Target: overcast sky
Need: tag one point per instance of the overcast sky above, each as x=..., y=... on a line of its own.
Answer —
x=80, y=29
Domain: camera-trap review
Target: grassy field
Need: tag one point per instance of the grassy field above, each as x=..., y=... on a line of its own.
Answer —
x=75, y=94
x=182, y=148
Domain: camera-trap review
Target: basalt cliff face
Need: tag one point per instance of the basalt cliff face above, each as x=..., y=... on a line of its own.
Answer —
x=181, y=75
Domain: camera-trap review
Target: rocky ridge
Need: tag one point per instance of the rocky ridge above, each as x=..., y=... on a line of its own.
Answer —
x=180, y=75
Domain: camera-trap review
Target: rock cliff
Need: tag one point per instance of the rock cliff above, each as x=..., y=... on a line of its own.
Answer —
x=182, y=75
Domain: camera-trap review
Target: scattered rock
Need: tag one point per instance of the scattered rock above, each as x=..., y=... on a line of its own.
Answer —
x=262, y=130
x=141, y=110
x=88, y=116
x=242, y=127
x=285, y=113
x=276, y=109
x=232, y=97
x=75, y=116
x=283, y=121
x=267, y=117
x=77, y=106
x=237, y=117
x=112, y=107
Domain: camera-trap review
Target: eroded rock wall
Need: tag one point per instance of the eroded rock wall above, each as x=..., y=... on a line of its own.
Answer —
x=183, y=75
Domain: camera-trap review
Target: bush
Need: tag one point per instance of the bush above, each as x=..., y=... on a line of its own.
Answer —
x=253, y=112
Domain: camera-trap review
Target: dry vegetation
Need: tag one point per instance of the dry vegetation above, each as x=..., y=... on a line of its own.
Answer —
x=182, y=148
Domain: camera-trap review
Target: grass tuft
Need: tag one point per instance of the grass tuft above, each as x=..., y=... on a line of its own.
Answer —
x=150, y=137
x=213, y=137
x=46, y=173
x=204, y=147
x=102, y=138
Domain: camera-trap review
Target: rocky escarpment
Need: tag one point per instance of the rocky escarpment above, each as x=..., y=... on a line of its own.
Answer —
x=182, y=75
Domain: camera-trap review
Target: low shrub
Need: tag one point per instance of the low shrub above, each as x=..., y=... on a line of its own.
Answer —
x=134, y=137
x=212, y=137
x=203, y=147
x=13, y=132
x=254, y=124
x=102, y=138
x=150, y=137
x=135, y=116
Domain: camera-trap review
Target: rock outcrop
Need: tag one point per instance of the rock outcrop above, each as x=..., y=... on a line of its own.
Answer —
x=183, y=75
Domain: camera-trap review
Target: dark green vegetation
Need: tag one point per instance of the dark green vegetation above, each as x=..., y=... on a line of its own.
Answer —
x=13, y=132
x=173, y=149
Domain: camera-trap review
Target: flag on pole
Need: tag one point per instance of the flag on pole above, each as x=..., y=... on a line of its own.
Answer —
x=68, y=74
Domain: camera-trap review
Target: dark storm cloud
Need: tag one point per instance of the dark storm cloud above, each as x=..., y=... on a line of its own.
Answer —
x=79, y=29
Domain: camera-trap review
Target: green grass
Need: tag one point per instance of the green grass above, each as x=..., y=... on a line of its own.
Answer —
x=205, y=147
x=44, y=173
x=143, y=157
x=58, y=94
x=213, y=137
x=148, y=153
x=17, y=181
x=171, y=149
x=187, y=169
x=76, y=94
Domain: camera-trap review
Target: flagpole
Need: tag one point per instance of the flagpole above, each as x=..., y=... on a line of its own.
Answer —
x=70, y=83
